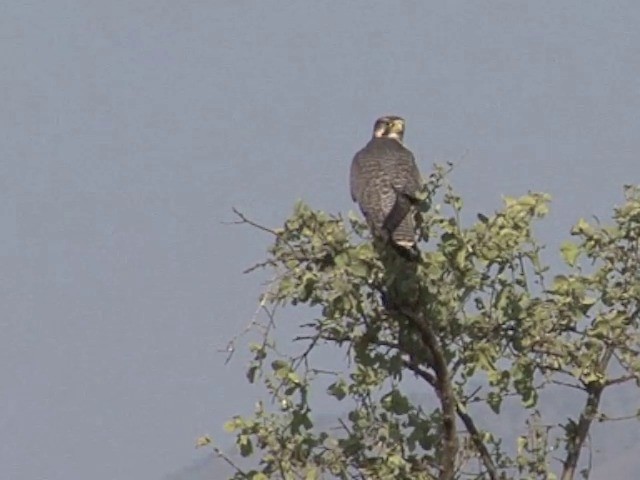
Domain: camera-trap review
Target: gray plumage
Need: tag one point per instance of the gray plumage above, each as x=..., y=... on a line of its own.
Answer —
x=385, y=181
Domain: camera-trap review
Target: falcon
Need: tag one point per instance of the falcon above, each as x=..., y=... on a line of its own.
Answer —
x=385, y=182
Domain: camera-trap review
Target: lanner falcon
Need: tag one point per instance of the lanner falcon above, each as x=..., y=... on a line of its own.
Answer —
x=385, y=182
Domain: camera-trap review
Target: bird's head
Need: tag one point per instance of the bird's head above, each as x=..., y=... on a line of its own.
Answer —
x=389, y=126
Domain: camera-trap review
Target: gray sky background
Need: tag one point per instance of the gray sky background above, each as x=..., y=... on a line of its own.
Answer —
x=129, y=129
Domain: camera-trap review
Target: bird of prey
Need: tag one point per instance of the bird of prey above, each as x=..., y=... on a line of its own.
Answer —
x=385, y=182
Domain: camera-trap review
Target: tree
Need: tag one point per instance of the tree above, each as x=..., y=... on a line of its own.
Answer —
x=479, y=320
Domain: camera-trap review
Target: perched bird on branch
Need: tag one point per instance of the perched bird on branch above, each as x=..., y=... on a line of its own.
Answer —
x=385, y=182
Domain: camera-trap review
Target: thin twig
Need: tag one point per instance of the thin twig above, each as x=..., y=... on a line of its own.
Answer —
x=616, y=381
x=469, y=396
x=267, y=263
x=605, y=418
x=220, y=454
x=567, y=384
x=253, y=322
x=244, y=219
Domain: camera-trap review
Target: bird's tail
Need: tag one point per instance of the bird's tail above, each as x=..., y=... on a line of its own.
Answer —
x=410, y=253
x=403, y=239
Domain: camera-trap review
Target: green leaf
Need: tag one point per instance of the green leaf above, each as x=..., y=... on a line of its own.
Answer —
x=483, y=218
x=280, y=365
x=461, y=257
x=312, y=474
x=230, y=426
x=582, y=228
x=396, y=403
x=203, y=441
x=251, y=373
x=245, y=444
x=570, y=253
x=560, y=283
x=338, y=389
x=494, y=400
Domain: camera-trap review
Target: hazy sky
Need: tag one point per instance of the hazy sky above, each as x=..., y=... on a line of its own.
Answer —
x=128, y=130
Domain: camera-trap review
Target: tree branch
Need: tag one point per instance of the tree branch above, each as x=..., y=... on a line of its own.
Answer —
x=262, y=307
x=576, y=439
x=474, y=433
x=220, y=454
x=244, y=219
x=619, y=380
x=444, y=389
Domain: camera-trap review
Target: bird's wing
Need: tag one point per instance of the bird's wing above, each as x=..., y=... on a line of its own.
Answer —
x=406, y=178
x=396, y=216
x=371, y=188
x=406, y=182
x=355, y=182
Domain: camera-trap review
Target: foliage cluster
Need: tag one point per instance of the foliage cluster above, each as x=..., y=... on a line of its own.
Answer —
x=479, y=319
